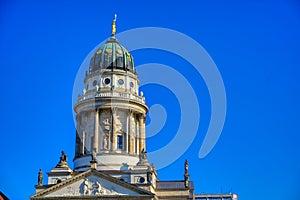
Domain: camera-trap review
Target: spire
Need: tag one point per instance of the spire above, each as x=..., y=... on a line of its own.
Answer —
x=113, y=26
x=186, y=173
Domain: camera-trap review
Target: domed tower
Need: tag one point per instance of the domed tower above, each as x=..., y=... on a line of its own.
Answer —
x=110, y=156
x=110, y=113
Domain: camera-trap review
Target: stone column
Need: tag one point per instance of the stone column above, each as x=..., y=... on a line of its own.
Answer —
x=96, y=136
x=114, y=128
x=127, y=131
x=77, y=139
x=83, y=142
x=130, y=133
x=142, y=135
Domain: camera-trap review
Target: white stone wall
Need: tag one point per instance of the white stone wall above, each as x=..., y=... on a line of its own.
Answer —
x=117, y=117
x=118, y=81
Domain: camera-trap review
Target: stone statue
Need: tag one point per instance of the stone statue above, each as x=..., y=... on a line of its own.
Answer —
x=143, y=159
x=143, y=155
x=98, y=189
x=64, y=157
x=40, y=178
x=186, y=174
x=86, y=189
x=63, y=161
x=117, y=124
x=106, y=124
x=186, y=166
x=105, y=142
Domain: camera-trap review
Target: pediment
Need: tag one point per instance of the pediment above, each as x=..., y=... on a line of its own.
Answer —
x=89, y=184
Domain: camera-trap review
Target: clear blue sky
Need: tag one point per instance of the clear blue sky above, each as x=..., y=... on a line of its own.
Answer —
x=255, y=44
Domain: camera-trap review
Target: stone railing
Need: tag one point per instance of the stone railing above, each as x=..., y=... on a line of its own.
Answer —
x=110, y=94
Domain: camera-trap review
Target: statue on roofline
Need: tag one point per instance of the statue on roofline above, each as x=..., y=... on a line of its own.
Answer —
x=63, y=161
x=40, y=177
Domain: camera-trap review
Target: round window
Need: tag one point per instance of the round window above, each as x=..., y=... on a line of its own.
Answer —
x=142, y=180
x=107, y=81
x=120, y=81
x=94, y=83
x=131, y=84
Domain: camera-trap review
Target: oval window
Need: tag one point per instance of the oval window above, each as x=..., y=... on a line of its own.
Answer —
x=142, y=180
x=107, y=81
x=120, y=81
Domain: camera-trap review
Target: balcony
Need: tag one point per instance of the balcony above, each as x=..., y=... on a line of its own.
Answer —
x=111, y=94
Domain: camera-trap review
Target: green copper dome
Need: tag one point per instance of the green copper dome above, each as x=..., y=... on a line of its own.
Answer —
x=112, y=55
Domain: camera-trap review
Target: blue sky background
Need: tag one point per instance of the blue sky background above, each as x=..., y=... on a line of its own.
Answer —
x=255, y=44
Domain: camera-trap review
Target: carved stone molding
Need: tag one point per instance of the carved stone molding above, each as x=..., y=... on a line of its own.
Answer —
x=94, y=188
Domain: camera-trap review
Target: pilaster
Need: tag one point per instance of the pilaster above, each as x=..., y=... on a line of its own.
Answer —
x=142, y=135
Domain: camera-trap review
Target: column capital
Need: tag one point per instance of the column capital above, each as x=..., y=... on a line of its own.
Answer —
x=113, y=110
x=97, y=109
x=130, y=112
x=142, y=117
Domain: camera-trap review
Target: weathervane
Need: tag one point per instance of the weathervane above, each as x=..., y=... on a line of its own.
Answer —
x=113, y=26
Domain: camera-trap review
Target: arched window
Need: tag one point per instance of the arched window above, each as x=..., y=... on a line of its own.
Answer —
x=120, y=142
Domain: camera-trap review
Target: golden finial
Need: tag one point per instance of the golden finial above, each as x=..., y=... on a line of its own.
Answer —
x=113, y=26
